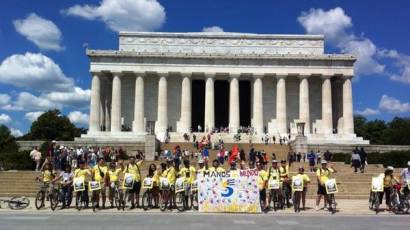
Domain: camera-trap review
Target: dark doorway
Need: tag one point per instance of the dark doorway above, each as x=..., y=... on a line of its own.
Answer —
x=245, y=103
x=198, y=104
x=221, y=104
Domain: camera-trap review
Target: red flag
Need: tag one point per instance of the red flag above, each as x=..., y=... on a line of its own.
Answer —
x=234, y=155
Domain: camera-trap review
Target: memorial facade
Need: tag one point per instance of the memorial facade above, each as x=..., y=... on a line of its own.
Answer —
x=176, y=83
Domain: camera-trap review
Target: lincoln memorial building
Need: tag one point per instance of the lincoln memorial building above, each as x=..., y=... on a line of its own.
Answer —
x=169, y=84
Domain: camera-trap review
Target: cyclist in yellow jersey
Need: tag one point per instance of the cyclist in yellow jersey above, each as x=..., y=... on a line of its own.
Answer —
x=154, y=174
x=284, y=178
x=389, y=180
x=134, y=167
x=84, y=172
x=98, y=174
x=216, y=167
x=188, y=172
x=323, y=174
x=306, y=181
x=273, y=174
x=262, y=180
x=113, y=175
x=171, y=176
x=47, y=174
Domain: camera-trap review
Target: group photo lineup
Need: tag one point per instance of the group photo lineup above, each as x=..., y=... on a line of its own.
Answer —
x=145, y=114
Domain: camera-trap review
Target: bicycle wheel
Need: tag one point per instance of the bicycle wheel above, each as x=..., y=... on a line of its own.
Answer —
x=406, y=205
x=146, y=200
x=39, y=203
x=376, y=202
x=19, y=202
x=94, y=201
x=180, y=201
x=371, y=200
x=274, y=199
x=54, y=200
x=194, y=200
x=286, y=197
x=332, y=203
x=163, y=200
x=116, y=199
x=79, y=201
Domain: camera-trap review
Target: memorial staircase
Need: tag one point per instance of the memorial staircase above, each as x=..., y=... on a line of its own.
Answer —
x=351, y=185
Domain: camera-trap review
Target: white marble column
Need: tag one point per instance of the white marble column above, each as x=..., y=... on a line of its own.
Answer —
x=186, y=114
x=116, y=104
x=209, y=102
x=327, y=117
x=108, y=88
x=234, y=104
x=348, y=125
x=139, y=114
x=257, y=105
x=304, y=108
x=94, y=125
x=102, y=104
x=161, y=125
x=281, y=120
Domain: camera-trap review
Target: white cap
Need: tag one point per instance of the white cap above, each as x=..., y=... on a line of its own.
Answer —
x=390, y=168
x=323, y=162
x=408, y=163
x=62, y=147
x=200, y=161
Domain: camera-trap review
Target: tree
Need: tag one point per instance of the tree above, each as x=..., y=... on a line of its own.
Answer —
x=52, y=125
x=7, y=141
x=398, y=132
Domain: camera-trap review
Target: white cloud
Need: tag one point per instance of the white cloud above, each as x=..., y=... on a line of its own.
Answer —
x=34, y=72
x=212, y=29
x=393, y=105
x=4, y=118
x=78, y=118
x=28, y=101
x=77, y=98
x=32, y=116
x=4, y=99
x=367, y=112
x=119, y=15
x=403, y=64
x=42, y=32
x=16, y=132
x=334, y=24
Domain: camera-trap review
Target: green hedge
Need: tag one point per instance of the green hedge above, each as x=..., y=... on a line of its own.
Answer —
x=395, y=158
x=16, y=161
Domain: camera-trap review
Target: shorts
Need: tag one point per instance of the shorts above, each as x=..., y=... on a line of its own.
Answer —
x=136, y=188
x=311, y=163
x=262, y=194
x=321, y=190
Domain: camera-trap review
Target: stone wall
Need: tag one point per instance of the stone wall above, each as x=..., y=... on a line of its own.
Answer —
x=368, y=148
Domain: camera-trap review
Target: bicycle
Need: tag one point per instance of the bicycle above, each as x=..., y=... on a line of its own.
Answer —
x=286, y=192
x=329, y=198
x=16, y=202
x=117, y=196
x=181, y=199
x=275, y=195
x=147, y=196
x=95, y=188
x=194, y=195
x=164, y=194
x=374, y=201
x=47, y=190
x=398, y=202
x=297, y=197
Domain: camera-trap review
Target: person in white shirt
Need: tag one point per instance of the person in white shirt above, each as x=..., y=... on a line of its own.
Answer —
x=36, y=157
x=405, y=178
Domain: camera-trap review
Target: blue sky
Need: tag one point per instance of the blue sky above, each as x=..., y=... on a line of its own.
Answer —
x=43, y=61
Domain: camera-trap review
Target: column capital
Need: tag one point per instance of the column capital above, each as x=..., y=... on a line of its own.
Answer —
x=96, y=73
x=280, y=76
x=209, y=75
x=186, y=74
x=303, y=76
x=139, y=74
x=347, y=77
x=326, y=76
x=162, y=74
x=258, y=75
x=234, y=75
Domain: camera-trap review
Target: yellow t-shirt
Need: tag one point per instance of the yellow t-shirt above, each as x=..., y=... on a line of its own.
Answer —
x=202, y=171
x=155, y=178
x=114, y=175
x=324, y=174
x=273, y=174
x=171, y=175
x=219, y=169
x=262, y=178
x=284, y=172
x=305, y=179
x=389, y=181
x=98, y=170
x=84, y=173
x=188, y=173
x=48, y=176
x=134, y=170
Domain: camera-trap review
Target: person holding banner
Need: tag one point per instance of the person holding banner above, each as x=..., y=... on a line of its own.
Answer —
x=189, y=174
x=133, y=168
x=85, y=173
x=216, y=167
x=284, y=178
x=98, y=174
x=306, y=181
x=323, y=174
x=154, y=175
x=171, y=174
x=273, y=182
x=262, y=180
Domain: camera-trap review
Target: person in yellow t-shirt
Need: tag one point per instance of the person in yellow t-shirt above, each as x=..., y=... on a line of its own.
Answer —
x=171, y=175
x=262, y=180
x=134, y=168
x=188, y=172
x=201, y=167
x=323, y=174
x=389, y=181
x=273, y=174
x=99, y=174
x=84, y=172
x=47, y=176
x=306, y=181
x=112, y=177
x=216, y=167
